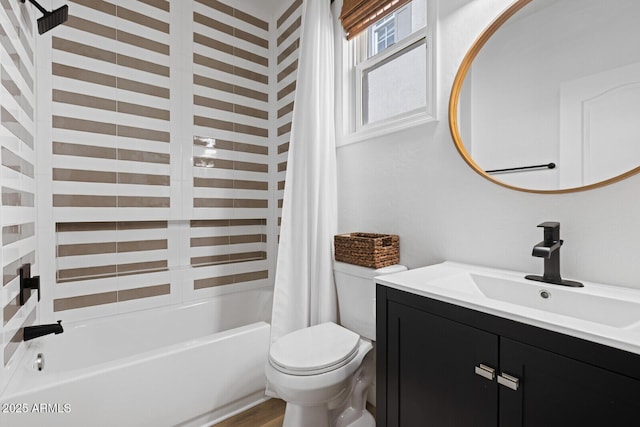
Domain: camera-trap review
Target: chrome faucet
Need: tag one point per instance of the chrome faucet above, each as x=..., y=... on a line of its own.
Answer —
x=31, y=332
x=549, y=249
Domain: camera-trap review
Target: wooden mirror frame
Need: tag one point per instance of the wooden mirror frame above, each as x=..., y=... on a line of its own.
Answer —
x=455, y=97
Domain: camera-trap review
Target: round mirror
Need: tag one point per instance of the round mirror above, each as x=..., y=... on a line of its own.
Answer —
x=547, y=99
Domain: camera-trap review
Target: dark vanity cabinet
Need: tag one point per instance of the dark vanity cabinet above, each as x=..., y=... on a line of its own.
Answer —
x=443, y=365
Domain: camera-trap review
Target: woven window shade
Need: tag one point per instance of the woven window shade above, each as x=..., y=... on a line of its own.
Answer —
x=357, y=15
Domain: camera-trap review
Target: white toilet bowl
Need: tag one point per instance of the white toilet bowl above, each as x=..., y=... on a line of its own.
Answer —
x=327, y=390
x=324, y=372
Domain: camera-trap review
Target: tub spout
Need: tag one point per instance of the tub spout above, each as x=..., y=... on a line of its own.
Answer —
x=31, y=332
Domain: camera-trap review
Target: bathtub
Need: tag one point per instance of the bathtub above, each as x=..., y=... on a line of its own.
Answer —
x=187, y=366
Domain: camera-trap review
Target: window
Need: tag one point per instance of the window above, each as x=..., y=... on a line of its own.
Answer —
x=391, y=73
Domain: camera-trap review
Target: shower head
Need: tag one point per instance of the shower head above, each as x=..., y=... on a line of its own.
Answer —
x=50, y=19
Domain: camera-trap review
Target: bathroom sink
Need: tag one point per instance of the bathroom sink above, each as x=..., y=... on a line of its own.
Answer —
x=556, y=299
x=597, y=312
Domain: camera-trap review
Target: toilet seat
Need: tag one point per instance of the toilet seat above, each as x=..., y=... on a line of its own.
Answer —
x=314, y=350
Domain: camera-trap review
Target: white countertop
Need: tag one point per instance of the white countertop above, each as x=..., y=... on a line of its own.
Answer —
x=605, y=314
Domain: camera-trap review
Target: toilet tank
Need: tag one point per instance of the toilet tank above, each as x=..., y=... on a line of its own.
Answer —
x=357, y=296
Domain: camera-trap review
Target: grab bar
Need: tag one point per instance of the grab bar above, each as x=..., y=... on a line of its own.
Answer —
x=521, y=168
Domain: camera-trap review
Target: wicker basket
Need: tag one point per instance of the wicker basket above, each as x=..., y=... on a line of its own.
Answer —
x=367, y=249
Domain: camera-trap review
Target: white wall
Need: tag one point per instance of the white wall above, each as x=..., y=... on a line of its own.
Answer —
x=415, y=184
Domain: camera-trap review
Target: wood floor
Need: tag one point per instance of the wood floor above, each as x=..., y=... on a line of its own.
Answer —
x=267, y=414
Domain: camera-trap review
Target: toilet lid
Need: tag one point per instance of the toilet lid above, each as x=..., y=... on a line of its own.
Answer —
x=314, y=350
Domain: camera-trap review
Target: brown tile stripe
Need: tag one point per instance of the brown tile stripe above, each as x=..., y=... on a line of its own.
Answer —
x=109, y=177
x=282, y=166
x=290, y=30
x=227, y=240
x=293, y=47
x=222, y=144
x=229, y=49
x=83, y=100
x=285, y=110
x=143, y=42
x=286, y=128
x=230, y=69
x=106, y=271
x=290, y=88
x=230, y=183
x=230, y=164
x=146, y=292
x=287, y=13
x=283, y=148
x=16, y=93
x=143, y=156
x=201, y=202
x=67, y=149
x=231, y=279
x=91, y=27
x=160, y=4
x=11, y=197
x=62, y=304
x=108, y=80
x=90, y=126
x=83, y=176
x=15, y=127
x=141, y=267
x=230, y=30
x=280, y=185
x=199, y=223
x=228, y=106
x=19, y=29
x=108, y=56
x=99, y=5
x=230, y=126
x=82, y=125
x=142, y=19
x=85, y=201
x=291, y=68
x=10, y=310
x=225, y=87
x=18, y=338
x=17, y=163
x=94, y=248
x=214, y=4
x=203, y=261
x=16, y=58
x=143, y=111
x=10, y=271
x=14, y=233
x=144, y=88
x=63, y=227
x=83, y=75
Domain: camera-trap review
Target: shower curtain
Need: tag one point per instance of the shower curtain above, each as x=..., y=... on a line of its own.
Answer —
x=304, y=293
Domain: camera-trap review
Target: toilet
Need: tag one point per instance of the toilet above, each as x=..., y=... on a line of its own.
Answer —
x=324, y=372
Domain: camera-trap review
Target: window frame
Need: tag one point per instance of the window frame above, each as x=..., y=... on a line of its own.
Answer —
x=351, y=65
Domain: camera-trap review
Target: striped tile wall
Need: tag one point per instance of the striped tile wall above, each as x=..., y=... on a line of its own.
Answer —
x=111, y=155
x=288, y=43
x=231, y=189
x=17, y=179
x=111, y=106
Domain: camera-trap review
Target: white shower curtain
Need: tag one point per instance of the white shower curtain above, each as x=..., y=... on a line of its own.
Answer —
x=304, y=293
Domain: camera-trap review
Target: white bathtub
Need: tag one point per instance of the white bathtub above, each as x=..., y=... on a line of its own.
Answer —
x=185, y=366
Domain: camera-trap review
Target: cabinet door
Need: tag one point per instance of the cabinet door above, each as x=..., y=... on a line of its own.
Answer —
x=556, y=391
x=431, y=379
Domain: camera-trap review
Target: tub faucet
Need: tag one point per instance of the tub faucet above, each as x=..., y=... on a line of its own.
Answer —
x=31, y=332
x=549, y=249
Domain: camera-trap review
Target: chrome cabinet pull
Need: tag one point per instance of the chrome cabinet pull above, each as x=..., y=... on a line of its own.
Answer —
x=508, y=381
x=486, y=372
